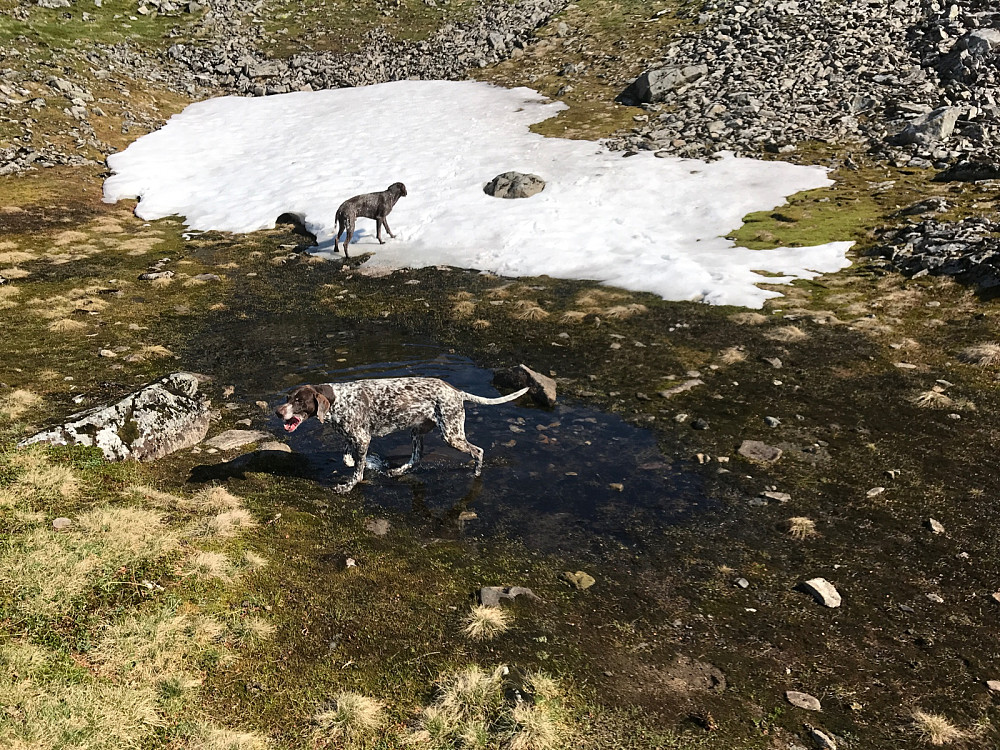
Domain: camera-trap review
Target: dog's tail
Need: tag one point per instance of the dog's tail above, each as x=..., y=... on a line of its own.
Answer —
x=492, y=401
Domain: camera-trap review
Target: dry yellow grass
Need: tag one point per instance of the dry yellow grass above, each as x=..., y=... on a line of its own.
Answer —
x=250, y=630
x=151, y=647
x=15, y=256
x=787, y=334
x=935, y=398
x=145, y=244
x=572, y=317
x=150, y=352
x=500, y=292
x=621, y=312
x=210, y=565
x=82, y=713
x=82, y=300
x=526, y=309
x=215, y=499
x=14, y=273
x=162, y=281
x=732, y=355
x=252, y=561
x=481, y=324
x=69, y=237
x=462, y=295
x=49, y=571
x=749, y=318
x=597, y=298
x=38, y=479
x=801, y=527
x=936, y=729
x=211, y=737
x=351, y=718
x=485, y=623
x=230, y=523
x=18, y=402
x=986, y=354
x=534, y=728
x=67, y=325
x=463, y=309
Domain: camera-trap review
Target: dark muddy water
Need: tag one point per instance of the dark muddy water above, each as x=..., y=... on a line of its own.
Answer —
x=557, y=479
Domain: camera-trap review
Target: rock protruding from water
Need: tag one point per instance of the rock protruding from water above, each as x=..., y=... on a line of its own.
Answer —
x=540, y=387
x=514, y=185
x=823, y=591
x=158, y=419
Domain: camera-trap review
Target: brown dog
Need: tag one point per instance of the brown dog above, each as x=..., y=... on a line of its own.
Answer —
x=365, y=409
x=371, y=206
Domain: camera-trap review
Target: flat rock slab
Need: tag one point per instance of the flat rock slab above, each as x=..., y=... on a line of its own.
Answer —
x=158, y=419
x=491, y=596
x=803, y=700
x=232, y=439
x=687, y=385
x=823, y=591
x=755, y=450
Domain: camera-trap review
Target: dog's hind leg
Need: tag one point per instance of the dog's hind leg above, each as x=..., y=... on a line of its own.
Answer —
x=452, y=423
x=336, y=237
x=350, y=234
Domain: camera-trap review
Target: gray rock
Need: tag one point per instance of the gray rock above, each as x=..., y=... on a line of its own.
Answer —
x=993, y=685
x=821, y=739
x=232, y=439
x=823, y=591
x=541, y=388
x=275, y=446
x=803, y=700
x=934, y=525
x=514, y=185
x=687, y=385
x=160, y=418
x=61, y=523
x=491, y=596
x=154, y=275
x=928, y=129
x=578, y=580
x=657, y=85
x=755, y=450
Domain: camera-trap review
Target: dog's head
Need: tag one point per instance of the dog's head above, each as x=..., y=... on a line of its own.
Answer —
x=304, y=402
x=398, y=189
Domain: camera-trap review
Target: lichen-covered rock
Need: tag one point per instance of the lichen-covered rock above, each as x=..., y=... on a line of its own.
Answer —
x=160, y=418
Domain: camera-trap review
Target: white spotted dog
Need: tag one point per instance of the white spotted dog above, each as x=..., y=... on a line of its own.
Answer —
x=365, y=409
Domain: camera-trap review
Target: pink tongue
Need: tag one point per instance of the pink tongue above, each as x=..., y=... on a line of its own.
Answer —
x=290, y=426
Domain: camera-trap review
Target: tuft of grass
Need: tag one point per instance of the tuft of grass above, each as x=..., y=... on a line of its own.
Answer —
x=572, y=317
x=936, y=729
x=749, y=318
x=472, y=709
x=463, y=309
x=217, y=499
x=800, y=527
x=485, y=623
x=250, y=630
x=625, y=311
x=350, y=718
x=252, y=561
x=67, y=325
x=150, y=352
x=986, y=354
x=525, y=309
x=229, y=523
x=732, y=355
x=210, y=565
x=481, y=324
x=935, y=398
x=787, y=334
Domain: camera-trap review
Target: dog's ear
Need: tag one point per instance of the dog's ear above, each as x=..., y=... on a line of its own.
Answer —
x=324, y=402
x=322, y=407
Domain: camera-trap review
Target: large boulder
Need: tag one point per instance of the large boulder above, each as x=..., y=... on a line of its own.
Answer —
x=540, y=387
x=158, y=419
x=514, y=185
x=933, y=127
x=657, y=85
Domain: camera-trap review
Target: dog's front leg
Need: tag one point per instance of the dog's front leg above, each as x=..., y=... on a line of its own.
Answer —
x=386, y=225
x=358, y=448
